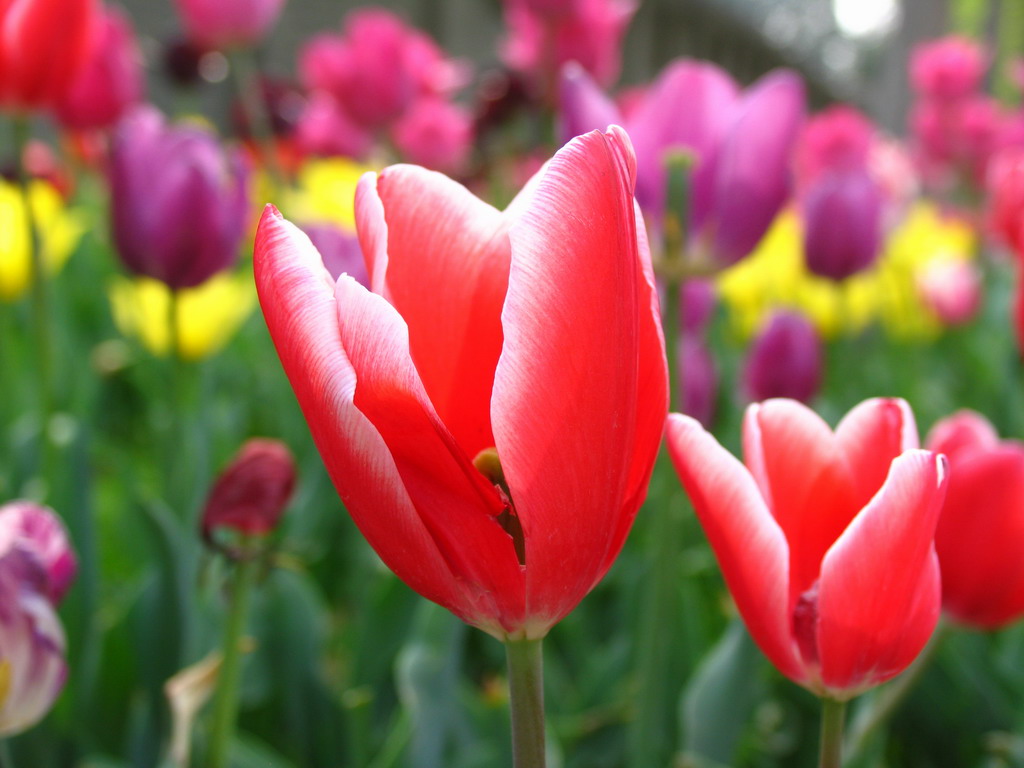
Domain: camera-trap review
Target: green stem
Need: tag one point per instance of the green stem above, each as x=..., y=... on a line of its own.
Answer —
x=526, y=701
x=250, y=92
x=832, y=714
x=39, y=292
x=6, y=761
x=225, y=711
x=889, y=698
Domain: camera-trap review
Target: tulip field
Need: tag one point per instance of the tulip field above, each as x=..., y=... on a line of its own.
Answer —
x=408, y=411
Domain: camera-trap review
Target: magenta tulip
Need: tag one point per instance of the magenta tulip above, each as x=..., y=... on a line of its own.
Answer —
x=784, y=360
x=491, y=412
x=339, y=250
x=842, y=224
x=38, y=530
x=111, y=80
x=435, y=133
x=221, y=24
x=825, y=539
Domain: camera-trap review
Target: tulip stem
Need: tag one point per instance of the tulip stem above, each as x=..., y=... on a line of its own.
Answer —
x=40, y=298
x=526, y=701
x=832, y=715
x=225, y=711
x=6, y=761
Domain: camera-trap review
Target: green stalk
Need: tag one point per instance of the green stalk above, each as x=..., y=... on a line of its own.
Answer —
x=832, y=714
x=225, y=711
x=40, y=296
x=526, y=701
x=6, y=761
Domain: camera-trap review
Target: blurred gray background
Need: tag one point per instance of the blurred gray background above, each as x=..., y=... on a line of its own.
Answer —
x=855, y=50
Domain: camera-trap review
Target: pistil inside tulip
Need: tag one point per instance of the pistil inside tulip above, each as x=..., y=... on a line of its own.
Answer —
x=489, y=465
x=805, y=624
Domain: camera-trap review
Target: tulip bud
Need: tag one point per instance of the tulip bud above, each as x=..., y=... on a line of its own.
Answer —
x=39, y=531
x=223, y=24
x=982, y=522
x=43, y=45
x=842, y=224
x=1006, y=198
x=36, y=566
x=785, y=360
x=111, y=79
x=179, y=203
x=947, y=69
x=250, y=495
x=951, y=288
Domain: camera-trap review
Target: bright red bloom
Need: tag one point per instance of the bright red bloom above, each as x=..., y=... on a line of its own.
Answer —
x=981, y=529
x=824, y=539
x=491, y=412
x=43, y=44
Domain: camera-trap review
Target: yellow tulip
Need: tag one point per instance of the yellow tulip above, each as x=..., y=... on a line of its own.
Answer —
x=207, y=316
x=59, y=231
x=326, y=192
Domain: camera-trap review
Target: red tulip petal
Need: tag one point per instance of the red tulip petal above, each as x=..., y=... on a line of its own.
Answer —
x=879, y=595
x=749, y=544
x=653, y=384
x=441, y=257
x=297, y=296
x=565, y=395
x=979, y=538
x=793, y=456
x=870, y=436
x=963, y=431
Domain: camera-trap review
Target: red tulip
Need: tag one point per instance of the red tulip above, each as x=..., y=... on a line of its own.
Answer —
x=43, y=44
x=491, y=412
x=981, y=529
x=824, y=539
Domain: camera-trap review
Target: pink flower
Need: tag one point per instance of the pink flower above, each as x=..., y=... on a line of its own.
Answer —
x=491, y=412
x=825, y=538
x=223, y=24
x=784, y=360
x=111, y=80
x=949, y=68
x=436, y=134
x=590, y=33
x=839, y=138
x=40, y=532
x=952, y=289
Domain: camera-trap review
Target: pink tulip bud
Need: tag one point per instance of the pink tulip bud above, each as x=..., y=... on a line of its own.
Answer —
x=947, y=69
x=838, y=139
x=784, y=360
x=221, y=24
x=325, y=129
x=251, y=494
x=111, y=80
x=951, y=288
x=436, y=134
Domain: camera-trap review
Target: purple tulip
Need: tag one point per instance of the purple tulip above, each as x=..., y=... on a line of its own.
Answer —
x=698, y=302
x=738, y=192
x=32, y=645
x=224, y=24
x=842, y=224
x=179, y=202
x=741, y=145
x=39, y=531
x=785, y=360
x=339, y=250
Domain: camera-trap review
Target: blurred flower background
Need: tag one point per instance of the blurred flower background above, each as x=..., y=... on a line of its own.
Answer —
x=833, y=192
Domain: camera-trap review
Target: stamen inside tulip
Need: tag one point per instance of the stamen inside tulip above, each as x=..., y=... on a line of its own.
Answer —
x=489, y=465
x=5, y=680
x=805, y=624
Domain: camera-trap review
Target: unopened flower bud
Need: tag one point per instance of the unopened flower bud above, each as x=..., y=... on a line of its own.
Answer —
x=251, y=494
